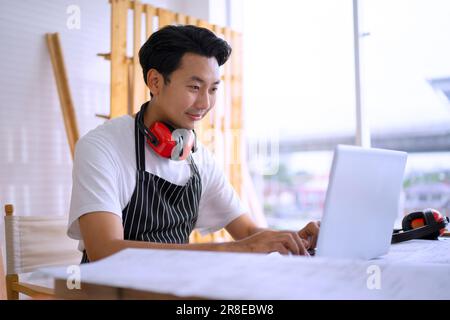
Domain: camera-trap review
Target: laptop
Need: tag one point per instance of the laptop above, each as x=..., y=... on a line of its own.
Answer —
x=362, y=202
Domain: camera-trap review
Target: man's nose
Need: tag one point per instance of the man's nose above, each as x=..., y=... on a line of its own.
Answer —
x=203, y=101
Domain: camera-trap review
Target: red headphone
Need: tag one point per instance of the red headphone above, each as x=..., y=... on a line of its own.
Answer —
x=427, y=224
x=165, y=140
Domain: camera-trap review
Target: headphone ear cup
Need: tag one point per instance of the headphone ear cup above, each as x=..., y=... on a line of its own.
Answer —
x=408, y=219
x=430, y=220
x=185, y=140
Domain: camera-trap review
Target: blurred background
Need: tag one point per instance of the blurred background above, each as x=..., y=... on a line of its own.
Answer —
x=300, y=81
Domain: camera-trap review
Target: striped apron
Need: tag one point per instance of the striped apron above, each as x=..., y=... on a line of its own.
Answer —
x=159, y=211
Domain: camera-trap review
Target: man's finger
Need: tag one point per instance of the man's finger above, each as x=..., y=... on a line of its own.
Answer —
x=282, y=249
x=310, y=233
x=314, y=234
x=288, y=241
x=302, y=244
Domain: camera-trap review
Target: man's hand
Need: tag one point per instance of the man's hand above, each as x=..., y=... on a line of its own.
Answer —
x=309, y=234
x=267, y=241
x=250, y=238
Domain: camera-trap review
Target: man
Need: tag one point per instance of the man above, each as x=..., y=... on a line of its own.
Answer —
x=129, y=192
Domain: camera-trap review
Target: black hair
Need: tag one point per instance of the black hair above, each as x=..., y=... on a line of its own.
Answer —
x=165, y=48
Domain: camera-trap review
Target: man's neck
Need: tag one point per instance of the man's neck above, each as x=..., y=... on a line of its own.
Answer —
x=151, y=114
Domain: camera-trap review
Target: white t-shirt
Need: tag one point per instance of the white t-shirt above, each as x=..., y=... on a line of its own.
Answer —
x=104, y=177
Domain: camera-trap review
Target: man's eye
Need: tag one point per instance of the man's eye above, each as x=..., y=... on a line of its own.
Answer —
x=194, y=87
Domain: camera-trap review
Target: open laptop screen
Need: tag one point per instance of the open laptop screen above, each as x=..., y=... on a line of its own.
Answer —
x=362, y=202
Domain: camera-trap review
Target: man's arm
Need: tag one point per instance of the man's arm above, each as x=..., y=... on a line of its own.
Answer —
x=242, y=227
x=102, y=233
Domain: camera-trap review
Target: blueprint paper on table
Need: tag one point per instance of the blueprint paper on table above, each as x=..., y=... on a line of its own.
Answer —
x=214, y=275
x=420, y=251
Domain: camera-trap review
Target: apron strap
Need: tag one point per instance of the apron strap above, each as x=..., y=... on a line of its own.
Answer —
x=139, y=139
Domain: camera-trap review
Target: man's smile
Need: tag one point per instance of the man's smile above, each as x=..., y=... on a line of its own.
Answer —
x=195, y=117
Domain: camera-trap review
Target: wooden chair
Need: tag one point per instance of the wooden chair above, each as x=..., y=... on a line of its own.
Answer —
x=2, y=278
x=34, y=242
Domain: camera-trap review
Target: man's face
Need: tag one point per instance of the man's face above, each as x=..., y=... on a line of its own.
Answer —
x=191, y=92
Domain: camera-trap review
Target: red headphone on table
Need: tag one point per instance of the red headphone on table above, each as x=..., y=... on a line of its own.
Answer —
x=427, y=224
x=165, y=140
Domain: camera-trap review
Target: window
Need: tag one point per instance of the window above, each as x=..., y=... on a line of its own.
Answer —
x=300, y=88
x=405, y=70
x=299, y=91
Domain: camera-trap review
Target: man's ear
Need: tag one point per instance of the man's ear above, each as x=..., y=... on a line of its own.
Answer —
x=155, y=81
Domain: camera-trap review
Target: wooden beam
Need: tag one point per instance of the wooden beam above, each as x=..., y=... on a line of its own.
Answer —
x=218, y=118
x=228, y=137
x=166, y=17
x=107, y=56
x=236, y=112
x=218, y=30
x=193, y=21
x=138, y=86
x=9, y=210
x=181, y=19
x=119, y=67
x=205, y=24
x=11, y=279
x=149, y=29
x=150, y=13
x=65, y=99
x=206, y=126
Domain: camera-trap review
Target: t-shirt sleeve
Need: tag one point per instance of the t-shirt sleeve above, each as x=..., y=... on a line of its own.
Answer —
x=94, y=183
x=219, y=204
